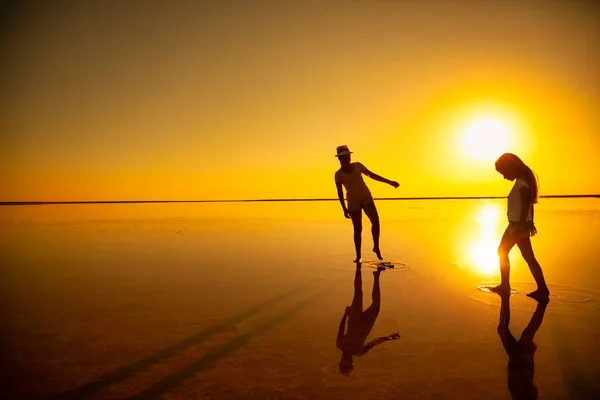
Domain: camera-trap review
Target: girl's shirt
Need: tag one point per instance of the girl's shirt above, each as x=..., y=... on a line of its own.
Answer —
x=514, y=202
x=356, y=188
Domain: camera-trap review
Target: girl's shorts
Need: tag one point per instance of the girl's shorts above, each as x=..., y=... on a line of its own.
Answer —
x=358, y=204
x=518, y=231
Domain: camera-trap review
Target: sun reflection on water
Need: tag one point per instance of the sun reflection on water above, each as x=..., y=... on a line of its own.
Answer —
x=483, y=251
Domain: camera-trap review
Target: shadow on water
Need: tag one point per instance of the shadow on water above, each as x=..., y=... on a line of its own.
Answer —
x=520, y=352
x=165, y=385
x=360, y=323
x=93, y=387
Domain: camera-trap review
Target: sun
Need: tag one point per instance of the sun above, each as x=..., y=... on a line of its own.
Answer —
x=485, y=139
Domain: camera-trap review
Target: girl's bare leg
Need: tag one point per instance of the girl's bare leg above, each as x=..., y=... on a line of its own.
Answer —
x=506, y=244
x=357, y=224
x=542, y=291
x=371, y=212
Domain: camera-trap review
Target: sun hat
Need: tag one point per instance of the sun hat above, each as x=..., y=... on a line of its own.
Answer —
x=342, y=151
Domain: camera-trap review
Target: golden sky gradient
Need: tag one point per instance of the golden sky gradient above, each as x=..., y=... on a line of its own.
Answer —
x=235, y=100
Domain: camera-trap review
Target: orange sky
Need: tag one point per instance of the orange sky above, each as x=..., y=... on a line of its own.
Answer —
x=181, y=101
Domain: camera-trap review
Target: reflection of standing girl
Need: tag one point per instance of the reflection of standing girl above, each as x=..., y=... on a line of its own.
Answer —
x=520, y=352
x=521, y=199
x=360, y=323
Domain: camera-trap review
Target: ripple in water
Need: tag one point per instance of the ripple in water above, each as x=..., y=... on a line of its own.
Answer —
x=562, y=297
x=338, y=266
x=488, y=288
x=388, y=265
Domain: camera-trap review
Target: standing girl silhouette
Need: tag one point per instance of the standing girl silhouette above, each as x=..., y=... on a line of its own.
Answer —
x=359, y=198
x=521, y=199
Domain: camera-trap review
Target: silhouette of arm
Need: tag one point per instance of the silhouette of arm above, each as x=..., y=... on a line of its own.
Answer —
x=526, y=204
x=340, y=193
x=533, y=230
x=380, y=340
x=379, y=178
x=341, y=328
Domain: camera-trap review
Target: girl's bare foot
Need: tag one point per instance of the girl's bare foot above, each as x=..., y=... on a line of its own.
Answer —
x=358, y=259
x=502, y=288
x=540, y=295
x=377, y=252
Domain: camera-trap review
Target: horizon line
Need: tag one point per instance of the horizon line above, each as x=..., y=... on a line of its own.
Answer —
x=35, y=203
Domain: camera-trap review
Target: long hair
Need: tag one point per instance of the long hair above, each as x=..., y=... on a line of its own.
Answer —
x=523, y=171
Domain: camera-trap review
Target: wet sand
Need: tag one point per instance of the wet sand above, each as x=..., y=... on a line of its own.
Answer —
x=230, y=301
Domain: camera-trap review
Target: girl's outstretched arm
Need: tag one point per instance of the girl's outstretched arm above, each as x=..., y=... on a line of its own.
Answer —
x=379, y=178
x=380, y=340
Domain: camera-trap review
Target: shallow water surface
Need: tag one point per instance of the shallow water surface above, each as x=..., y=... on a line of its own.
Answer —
x=263, y=301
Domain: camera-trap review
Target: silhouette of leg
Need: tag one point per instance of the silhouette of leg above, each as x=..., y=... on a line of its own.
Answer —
x=508, y=340
x=372, y=311
x=354, y=312
x=534, y=323
x=376, y=295
x=371, y=212
x=506, y=244
x=357, y=224
x=542, y=292
x=357, y=300
x=504, y=311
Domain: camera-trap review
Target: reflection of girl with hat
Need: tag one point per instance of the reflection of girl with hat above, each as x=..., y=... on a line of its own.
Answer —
x=359, y=197
x=359, y=323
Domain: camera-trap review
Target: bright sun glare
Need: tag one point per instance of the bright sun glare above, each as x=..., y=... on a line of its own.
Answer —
x=485, y=139
x=483, y=251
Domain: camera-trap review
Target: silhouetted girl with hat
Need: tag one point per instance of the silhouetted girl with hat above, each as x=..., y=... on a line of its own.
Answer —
x=359, y=198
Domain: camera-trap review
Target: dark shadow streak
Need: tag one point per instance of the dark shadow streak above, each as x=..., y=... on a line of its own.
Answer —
x=127, y=371
x=164, y=386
